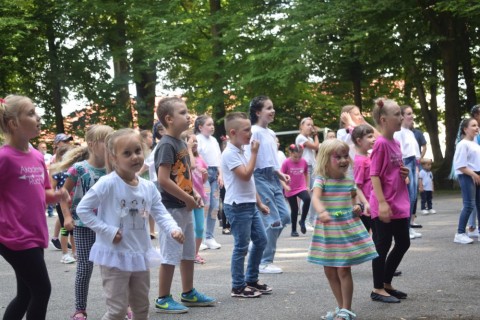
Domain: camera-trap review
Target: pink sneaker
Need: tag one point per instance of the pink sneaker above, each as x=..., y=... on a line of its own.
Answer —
x=79, y=315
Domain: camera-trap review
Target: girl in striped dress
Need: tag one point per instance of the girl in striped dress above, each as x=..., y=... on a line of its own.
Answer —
x=340, y=240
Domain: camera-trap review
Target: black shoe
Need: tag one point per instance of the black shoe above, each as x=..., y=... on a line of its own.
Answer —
x=397, y=294
x=245, y=292
x=303, y=228
x=263, y=288
x=416, y=225
x=56, y=244
x=294, y=234
x=385, y=299
x=397, y=273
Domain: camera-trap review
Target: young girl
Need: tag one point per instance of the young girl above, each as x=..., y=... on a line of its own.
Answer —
x=267, y=178
x=80, y=178
x=296, y=167
x=389, y=202
x=466, y=163
x=122, y=247
x=199, y=177
x=148, y=145
x=340, y=239
x=363, y=138
x=24, y=191
x=209, y=149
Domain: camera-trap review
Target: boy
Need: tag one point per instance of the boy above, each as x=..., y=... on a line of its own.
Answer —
x=425, y=186
x=172, y=164
x=239, y=207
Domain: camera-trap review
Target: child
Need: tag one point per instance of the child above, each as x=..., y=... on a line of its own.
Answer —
x=239, y=205
x=267, y=178
x=148, y=145
x=340, y=239
x=174, y=177
x=80, y=178
x=24, y=191
x=122, y=247
x=296, y=167
x=209, y=149
x=389, y=202
x=199, y=178
x=363, y=138
x=425, y=186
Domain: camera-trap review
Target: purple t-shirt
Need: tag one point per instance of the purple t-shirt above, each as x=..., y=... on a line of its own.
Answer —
x=361, y=174
x=297, y=172
x=23, y=181
x=386, y=161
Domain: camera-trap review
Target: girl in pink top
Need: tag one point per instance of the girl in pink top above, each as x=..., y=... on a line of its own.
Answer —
x=389, y=202
x=24, y=191
x=297, y=168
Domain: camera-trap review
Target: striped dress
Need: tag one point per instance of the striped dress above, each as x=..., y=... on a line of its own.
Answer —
x=343, y=241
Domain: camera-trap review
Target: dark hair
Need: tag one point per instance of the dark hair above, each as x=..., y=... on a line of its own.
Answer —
x=475, y=110
x=166, y=107
x=256, y=105
x=200, y=121
x=360, y=131
x=464, y=125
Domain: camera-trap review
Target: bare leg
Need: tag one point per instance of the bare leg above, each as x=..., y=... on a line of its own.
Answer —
x=165, y=276
x=72, y=243
x=198, y=242
x=345, y=276
x=151, y=224
x=186, y=271
x=335, y=284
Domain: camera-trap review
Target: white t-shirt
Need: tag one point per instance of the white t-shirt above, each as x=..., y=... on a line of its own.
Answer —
x=346, y=137
x=150, y=163
x=267, y=153
x=467, y=154
x=125, y=207
x=308, y=154
x=408, y=143
x=236, y=189
x=209, y=149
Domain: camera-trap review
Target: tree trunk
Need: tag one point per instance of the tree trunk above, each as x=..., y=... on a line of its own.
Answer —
x=145, y=80
x=54, y=78
x=466, y=62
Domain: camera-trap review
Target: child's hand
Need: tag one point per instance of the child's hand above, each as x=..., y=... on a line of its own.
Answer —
x=220, y=182
x=178, y=235
x=420, y=188
x=191, y=203
x=357, y=209
x=191, y=142
x=407, y=180
x=325, y=217
x=264, y=209
x=366, y=210
x=118, y=237
x=287, y=188
x=68, y=223
x=284, y=177
x=384, y=212
x=404, y=171
x=254, y=146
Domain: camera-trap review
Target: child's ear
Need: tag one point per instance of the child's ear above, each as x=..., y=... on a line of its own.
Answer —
x=232, y=132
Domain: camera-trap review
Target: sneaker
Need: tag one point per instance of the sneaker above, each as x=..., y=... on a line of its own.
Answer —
x=462, y=238
x=67, y=259
x=197, y=299
x=303, y=228
x=56, y=243
x=79, y=315
x=270, y=268
x=263, y=288
x=473, y=234
x=432, y=211
x=168, y=305
x=309, y=226
x=199, y=260
x=203, y=246
x=425, y=212
x=415, y=233
x=212, y=244
x=245, y=292
x=294, y=234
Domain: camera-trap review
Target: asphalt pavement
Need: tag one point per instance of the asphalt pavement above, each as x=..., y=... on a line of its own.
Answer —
x=442, y=280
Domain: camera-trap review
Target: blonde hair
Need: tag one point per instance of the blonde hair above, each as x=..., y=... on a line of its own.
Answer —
x=185, y=136
x=74, y=155
x=326, y=149
x=381, y=108
x=10, y=109
x=111, y=141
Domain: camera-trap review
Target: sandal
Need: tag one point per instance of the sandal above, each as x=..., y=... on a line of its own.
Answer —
x=199, y=260
x=331, y=314
x=345, y=314
x=79, y=315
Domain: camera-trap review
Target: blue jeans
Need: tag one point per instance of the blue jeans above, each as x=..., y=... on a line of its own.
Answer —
x=245, y=225
x=471, y=200
x=411, y=164
x=270, y=191
x=213, y=195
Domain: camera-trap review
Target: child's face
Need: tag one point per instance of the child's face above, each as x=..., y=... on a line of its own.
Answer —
x=208, y=128
x=296, y=156
x=149, y=139
x=243, y=131
x=331, y=135
x=180, y=119
x=267, y=114
x=307, y=127
x=472, y=129
x=193, y=140
x=128, y=156
x=393, y=118
x=28, y=122
x=338, y=163
x=366, y=142
x=427, y=166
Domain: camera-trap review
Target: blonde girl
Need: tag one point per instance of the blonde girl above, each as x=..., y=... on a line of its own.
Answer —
x=81, y=176
x=340, y=240
x=389, y=202
x=123, y=248
x=24, y=191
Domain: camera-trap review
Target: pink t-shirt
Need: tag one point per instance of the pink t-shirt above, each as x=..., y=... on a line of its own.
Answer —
x=386, y=161
x=361, y=174
x=297, y=172
x=197, y=177
x=23, y=180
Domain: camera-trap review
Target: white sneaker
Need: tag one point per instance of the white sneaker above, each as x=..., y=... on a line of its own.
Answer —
x=432, y=211
x=203, y=246
x=473, y=234
x=212, y=244
x=270, y=268
x=67, y=259
x=425, y=211
x=309, y=226
x=414, y=234
x=462, y=238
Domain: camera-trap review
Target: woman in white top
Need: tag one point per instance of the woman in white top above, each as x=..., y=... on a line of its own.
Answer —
x=466, y=163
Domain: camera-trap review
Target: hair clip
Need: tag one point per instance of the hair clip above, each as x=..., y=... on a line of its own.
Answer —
x=292, y=146
x=3, y=101
x=380, y=103
x=223, y=138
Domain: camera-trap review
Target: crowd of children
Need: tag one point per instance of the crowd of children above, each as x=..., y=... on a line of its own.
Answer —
x=353, y=190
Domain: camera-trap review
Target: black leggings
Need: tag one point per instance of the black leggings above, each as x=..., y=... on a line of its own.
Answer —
x=33, y=284
x=385, y=264
x=305, y=197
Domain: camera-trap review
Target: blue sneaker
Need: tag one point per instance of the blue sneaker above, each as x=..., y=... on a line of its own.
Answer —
x=197, y=299
x=168, y=305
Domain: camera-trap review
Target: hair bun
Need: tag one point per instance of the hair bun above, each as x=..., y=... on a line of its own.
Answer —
x=380, y=103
